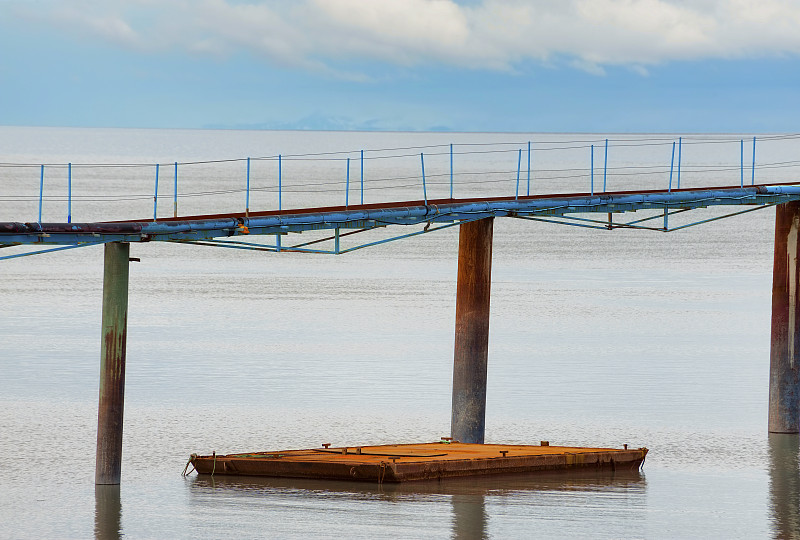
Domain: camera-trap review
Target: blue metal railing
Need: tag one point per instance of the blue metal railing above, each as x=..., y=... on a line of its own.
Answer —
x=472, y=175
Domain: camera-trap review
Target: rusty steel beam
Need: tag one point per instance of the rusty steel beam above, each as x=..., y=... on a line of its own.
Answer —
x=108, y=463
x=784, y=371
x=472, y=331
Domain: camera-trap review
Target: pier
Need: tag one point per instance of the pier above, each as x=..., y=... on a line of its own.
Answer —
x=335, y=228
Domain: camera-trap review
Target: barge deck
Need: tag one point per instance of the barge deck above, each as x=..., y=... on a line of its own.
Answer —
x=408, y=462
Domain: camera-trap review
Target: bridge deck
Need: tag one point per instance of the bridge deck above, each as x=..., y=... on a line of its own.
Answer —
x=436, y=214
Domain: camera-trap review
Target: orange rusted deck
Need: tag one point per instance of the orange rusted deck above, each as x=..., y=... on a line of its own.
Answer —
x=406, y=462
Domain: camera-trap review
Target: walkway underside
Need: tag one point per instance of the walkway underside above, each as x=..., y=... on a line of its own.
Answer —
x=601, y=211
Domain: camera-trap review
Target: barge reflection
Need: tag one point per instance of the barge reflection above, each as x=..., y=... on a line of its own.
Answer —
x=467, y=496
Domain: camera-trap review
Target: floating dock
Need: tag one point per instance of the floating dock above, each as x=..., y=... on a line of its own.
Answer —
x=395, y=463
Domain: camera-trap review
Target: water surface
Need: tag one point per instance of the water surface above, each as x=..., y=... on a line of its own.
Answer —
x=597, y=338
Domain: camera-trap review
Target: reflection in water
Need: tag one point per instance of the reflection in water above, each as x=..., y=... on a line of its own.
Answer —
x=617, y=494
x=469, y=517
x=497, y=484
x=107, y=513
x=784, y=488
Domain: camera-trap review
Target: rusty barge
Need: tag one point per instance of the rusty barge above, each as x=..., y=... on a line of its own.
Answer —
x=394, y=463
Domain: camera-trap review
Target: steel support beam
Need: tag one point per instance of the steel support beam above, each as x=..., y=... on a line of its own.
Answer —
x=108, y=462
x=472, y=331
x=784, y=371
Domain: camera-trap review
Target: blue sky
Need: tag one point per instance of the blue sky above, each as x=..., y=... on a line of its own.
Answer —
x=478, y=65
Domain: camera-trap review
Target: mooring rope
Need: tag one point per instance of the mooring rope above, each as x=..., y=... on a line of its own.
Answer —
x=190, y=462
x=381, y=472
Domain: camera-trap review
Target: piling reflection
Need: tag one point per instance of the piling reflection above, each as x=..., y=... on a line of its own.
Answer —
x=468, y=497
x=469, y=517
x=784, y=488
x=107, y=513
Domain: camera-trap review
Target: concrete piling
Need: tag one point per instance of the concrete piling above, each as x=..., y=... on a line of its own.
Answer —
x=472, y=331
x=784, y=371
x=108, y=462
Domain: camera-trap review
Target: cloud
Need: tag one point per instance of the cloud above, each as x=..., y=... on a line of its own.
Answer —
x=325, y=35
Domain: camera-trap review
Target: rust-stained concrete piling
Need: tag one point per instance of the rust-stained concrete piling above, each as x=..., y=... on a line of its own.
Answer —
x=472, y=331
x=784, y=383
x=112, y=364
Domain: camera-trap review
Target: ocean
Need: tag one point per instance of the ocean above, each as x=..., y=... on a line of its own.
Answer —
x=597, y=338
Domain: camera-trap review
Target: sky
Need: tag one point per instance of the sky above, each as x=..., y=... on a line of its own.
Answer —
x=433, y=65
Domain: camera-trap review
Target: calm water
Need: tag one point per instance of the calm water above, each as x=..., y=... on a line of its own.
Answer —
x=597, y=338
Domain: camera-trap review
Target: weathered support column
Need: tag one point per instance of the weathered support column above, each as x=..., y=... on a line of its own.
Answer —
x=108, y=463
x=784, y=371
x=472, y=331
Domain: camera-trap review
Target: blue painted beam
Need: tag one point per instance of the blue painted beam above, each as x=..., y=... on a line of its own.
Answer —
x=406, y=213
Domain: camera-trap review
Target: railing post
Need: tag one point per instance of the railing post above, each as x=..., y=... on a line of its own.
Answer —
x=280, y=184
x=753, y=173
x=69, y=193
x=108, y=462
x=528, y=190
x=680, y=144
x=247, y=197
x=784, y=368
x=41, y=193
x=519, y=165
x=424, y=188
x=591, y=184
x=362, y=177
x=175, y=194
x=605, y=167
x=347, y=186
x=471, y=352
x=155, y=197
x=671, y=165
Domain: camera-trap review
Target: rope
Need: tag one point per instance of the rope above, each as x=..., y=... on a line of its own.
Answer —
x=190, y=462
x=381, y=472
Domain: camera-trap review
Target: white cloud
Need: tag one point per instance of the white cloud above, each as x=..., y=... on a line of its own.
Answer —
x=400, y=31
x=483, y=34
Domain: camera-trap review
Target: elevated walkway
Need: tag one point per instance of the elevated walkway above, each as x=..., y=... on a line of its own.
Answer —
x=228, y=230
